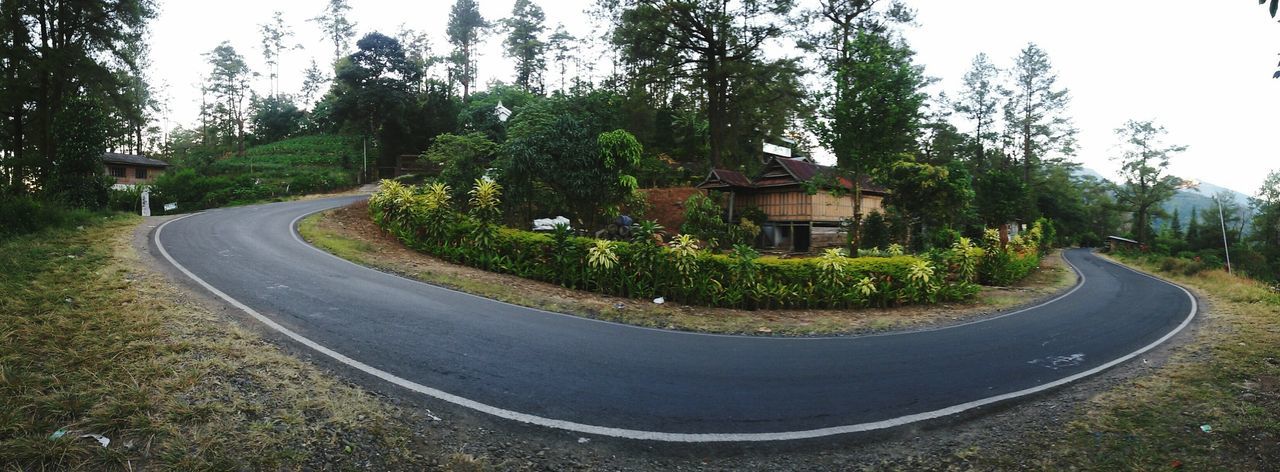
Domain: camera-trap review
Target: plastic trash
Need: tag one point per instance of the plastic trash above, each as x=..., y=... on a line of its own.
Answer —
x=101, y=439
x=1206, y=428
x=58, y=434
x=549, y=224
x=583, y=440
x=618, y=306
x=659, y=300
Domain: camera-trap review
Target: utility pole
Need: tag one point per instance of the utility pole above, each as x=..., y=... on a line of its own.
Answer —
x=1223, y=221
x=364, y=146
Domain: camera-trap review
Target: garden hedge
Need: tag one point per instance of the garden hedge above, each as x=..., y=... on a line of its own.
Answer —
x=679, y=270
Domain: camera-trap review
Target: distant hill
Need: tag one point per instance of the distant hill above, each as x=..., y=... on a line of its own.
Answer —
x=1199, y=198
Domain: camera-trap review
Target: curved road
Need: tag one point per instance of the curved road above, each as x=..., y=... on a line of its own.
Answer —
x=604, y=378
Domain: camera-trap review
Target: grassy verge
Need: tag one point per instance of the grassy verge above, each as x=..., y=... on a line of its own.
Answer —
x=1214, y=406
x=348, y=233
x=93, y=342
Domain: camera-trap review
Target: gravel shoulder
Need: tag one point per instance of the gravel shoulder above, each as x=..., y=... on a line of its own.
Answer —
x=349, y=233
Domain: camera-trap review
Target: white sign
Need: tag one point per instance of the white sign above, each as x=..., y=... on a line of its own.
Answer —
x=777, y=150
x=146, y=202
x=170, y=206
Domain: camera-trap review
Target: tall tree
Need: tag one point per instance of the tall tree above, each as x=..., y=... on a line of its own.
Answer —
x=274, y=35
x=373, y=89
x=1266, y=223
x=1175, y=225
x=466, y=30
x=524, y=44
x=706, y=45
x=1144, y=164
x=1193, y=229
x=873, y=114
x=561, y=49
x=76, y=175
x=228, y=84
x=1035, y=111
x=417, y=50
x=51, y=51
x=312, y=79
x=979, y=102
x=336, y=27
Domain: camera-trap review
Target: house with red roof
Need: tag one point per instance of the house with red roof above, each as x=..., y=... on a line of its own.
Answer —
x=798, y=217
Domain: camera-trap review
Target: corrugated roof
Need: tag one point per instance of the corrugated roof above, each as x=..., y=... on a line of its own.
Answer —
x=132, y=159
x=781, y=172
x=720, y=178
x=804, y=171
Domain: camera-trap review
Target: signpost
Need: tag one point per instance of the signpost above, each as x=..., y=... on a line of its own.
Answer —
x=146, y=202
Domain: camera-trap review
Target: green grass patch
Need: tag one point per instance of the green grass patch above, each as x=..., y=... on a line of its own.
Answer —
x=93, y=342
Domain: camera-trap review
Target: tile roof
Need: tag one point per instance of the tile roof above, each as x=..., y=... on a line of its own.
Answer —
x=132, y=159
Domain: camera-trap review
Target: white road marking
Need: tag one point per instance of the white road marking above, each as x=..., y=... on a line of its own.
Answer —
x=660, y=435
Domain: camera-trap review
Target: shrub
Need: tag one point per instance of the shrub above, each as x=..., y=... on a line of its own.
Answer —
x=682, y=270
x=23, y=215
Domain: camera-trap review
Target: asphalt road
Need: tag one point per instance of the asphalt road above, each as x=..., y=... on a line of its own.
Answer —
x=605, y=378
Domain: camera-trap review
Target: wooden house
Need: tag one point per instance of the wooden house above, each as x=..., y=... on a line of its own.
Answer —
x=131, y=169
x=798, y=218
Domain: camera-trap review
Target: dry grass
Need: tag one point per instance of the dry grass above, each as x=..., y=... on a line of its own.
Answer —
x=93, y=342
x=1228, y=379
x=348, y=233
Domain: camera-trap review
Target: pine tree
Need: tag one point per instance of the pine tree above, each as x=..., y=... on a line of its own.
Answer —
x=1193, y=229
x=525, y=45
x=1035, y=111
x=466, y=29
x=336, y=27
x=1175, y=225
x=979, y=102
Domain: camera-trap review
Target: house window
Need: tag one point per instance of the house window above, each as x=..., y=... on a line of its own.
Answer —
x=116, y=171
x=139, y=172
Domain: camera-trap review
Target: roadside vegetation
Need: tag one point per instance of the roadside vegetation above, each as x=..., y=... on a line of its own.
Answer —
x=292, y=167
x=689, y=269
x=93, y=342
x=349, y=233
x=1215, y=405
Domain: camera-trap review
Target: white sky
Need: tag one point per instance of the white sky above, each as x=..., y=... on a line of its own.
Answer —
x=1204, y=72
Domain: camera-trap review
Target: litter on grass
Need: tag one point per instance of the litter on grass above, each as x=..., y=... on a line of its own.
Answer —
x=101, y=439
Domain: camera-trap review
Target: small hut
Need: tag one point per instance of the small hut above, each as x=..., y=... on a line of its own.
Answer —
x=796, y=220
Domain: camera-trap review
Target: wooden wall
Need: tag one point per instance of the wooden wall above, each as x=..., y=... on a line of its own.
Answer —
x=780, y=206
x=795, y=205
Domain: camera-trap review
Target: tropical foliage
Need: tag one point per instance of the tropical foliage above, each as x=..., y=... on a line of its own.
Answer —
x=680, y=269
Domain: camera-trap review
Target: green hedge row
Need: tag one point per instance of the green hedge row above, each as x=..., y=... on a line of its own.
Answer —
x=678, y=270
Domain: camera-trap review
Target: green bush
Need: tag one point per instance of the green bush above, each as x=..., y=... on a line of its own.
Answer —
x=1002, y=266
x=24, y=215
x=679, y=270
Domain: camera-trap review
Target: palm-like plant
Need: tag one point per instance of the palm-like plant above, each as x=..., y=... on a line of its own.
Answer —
x=486, y=196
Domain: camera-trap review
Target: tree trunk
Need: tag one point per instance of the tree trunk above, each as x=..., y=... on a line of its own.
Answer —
x=855, y=229
x=1026, y=153
x=715, y=117
x=240, y=137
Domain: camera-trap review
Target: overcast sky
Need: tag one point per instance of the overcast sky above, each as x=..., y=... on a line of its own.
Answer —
x=1204, y=72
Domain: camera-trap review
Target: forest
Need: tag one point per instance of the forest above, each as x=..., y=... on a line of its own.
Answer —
x=693, y=85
